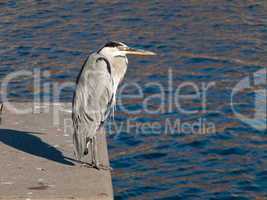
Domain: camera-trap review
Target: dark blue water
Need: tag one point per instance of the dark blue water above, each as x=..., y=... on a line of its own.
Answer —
x=198, y=43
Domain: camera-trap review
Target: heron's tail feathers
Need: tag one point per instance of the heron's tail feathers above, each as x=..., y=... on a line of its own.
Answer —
x=80, y=140
x=78, y=147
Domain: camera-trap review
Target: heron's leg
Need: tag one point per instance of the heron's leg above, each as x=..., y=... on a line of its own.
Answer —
x=97, y=160
x=1, y=110
x=95, y=153
x=1, y=107
x=88, y=148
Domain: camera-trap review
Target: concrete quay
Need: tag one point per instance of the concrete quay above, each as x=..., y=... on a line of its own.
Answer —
x=37, y=161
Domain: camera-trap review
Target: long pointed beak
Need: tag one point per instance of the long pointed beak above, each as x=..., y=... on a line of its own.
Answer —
x=139, y=52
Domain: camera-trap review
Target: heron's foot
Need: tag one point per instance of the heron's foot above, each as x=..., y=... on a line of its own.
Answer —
x=97, y=166
x=88, y=165
x=104, y=167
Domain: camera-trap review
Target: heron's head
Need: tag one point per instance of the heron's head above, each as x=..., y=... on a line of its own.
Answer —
x=118, y=49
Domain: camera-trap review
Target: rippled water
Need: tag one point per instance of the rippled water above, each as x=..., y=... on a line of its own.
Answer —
x=200, y=42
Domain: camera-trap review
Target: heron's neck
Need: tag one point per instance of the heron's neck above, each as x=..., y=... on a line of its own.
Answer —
x=119, y=65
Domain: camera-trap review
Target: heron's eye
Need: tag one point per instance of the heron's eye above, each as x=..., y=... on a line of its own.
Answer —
x=122, y=48
x=120, y=56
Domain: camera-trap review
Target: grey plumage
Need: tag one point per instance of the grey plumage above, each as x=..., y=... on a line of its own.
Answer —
x=92, y=101
x=95, y=94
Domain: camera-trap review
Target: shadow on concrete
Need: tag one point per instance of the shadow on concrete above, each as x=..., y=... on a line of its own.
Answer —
x=29, y=143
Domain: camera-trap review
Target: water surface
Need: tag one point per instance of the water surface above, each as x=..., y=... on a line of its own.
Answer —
x=200, y=42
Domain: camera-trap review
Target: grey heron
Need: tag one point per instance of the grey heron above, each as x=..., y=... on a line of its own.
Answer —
x=95, y=95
